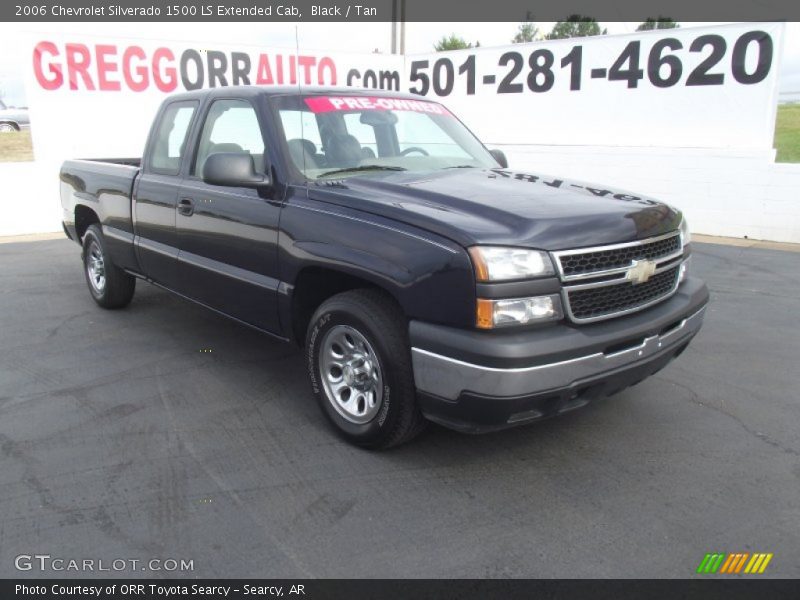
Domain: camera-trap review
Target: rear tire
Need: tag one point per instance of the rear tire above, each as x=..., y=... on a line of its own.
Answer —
x=110, y=286
x=359, y=363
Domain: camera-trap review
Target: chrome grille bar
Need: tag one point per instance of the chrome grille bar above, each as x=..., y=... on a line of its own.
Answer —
x=560, y=255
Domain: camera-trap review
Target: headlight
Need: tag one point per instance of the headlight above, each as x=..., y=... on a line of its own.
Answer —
x=497, y=263
x=517, y=311
x=686, y=235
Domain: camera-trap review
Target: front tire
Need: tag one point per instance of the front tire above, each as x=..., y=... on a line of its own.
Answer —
x=359, y=364
x=110, y=286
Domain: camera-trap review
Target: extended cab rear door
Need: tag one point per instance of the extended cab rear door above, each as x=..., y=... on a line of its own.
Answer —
x=156, y=192
x=228, y=235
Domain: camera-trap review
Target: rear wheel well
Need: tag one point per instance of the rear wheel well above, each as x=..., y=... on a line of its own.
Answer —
x=12, y=123
x=313, y=286
x=84, y=216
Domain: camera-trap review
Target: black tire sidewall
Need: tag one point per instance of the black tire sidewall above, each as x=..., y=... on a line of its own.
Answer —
x=337, y=313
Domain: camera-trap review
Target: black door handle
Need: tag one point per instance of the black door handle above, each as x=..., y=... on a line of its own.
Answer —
x=186, y=207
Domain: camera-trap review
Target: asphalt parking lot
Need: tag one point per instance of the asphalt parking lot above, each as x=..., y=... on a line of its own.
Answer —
x=164, y=431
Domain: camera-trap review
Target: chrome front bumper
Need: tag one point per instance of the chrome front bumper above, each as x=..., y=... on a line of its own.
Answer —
x=448, y=378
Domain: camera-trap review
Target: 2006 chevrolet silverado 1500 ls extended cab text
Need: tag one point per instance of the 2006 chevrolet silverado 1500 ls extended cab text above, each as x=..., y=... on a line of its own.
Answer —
x=424, y=279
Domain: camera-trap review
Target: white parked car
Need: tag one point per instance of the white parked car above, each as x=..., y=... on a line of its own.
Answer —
x=13, y=119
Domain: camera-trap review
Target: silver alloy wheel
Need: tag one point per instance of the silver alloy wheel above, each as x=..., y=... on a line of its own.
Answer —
x=96, y=268
x=351, y=374
x=7, y=128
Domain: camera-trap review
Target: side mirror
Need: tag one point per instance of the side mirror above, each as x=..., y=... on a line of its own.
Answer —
x=233, y=169
x=500, y=157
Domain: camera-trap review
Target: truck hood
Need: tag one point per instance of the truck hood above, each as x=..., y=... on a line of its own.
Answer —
x=497, y=206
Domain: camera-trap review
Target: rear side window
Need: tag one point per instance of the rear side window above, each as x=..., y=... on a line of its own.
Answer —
x=169, y=145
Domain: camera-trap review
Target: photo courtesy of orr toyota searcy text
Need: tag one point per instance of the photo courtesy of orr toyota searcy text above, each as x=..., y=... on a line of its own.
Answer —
x=159, y=591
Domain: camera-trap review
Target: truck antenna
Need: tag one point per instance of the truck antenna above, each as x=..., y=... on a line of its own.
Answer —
x=299, y=85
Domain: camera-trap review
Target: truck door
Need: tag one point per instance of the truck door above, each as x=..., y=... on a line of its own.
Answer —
x=228, y=235
x=156, y=193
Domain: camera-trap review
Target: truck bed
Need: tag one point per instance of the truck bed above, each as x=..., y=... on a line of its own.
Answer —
x=104, y=186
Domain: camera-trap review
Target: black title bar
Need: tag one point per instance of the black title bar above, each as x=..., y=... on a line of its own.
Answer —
x=294, y=11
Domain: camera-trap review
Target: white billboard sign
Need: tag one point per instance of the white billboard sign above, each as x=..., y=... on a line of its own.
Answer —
x=700, y=88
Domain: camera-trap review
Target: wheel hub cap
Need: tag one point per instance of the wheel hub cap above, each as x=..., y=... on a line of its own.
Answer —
x=96, y=268
x=351, y=374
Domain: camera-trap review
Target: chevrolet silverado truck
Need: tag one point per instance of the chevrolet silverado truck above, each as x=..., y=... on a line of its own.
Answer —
x=424, y=279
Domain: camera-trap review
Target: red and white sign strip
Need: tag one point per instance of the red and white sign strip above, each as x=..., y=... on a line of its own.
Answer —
x=323, y=104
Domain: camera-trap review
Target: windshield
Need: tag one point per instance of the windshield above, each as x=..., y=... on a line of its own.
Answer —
x=344, y=136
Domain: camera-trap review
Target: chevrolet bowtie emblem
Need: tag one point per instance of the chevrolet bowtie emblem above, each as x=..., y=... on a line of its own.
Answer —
x=641, y=271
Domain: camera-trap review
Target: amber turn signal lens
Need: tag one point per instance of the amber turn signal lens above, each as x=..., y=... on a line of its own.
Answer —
x=484, y=314
x=481, y=268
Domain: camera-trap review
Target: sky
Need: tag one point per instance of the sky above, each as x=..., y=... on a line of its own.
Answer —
x=343, y=37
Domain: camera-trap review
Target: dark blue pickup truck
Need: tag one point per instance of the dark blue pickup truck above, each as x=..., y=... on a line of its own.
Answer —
x=424, y=278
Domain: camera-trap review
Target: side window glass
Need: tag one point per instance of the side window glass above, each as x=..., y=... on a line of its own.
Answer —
x=170, y=137
x=231, y=126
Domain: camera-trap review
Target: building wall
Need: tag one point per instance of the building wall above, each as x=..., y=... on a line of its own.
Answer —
x=727, y=193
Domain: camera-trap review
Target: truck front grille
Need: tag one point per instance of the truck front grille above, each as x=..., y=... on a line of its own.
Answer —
x=610, y=300
x=601, y=283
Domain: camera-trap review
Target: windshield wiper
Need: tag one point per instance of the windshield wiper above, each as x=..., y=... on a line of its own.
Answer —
x=462, y=167
x=363, y=168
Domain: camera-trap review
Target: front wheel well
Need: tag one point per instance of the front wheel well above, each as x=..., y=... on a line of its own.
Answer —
x=314, y=286
x=12, y=123
x=84, y=216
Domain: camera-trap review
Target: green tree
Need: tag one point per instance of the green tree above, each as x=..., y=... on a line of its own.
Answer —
x=453, y=42
x=526, y=32
x=575, y=26
x=659, y=23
